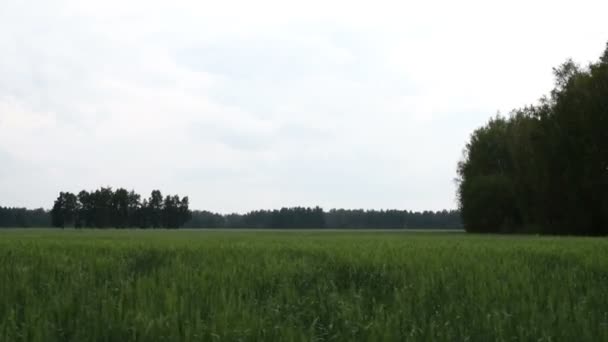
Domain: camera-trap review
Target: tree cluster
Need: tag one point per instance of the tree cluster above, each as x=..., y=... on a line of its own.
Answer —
x=299, y=217
x=341, y=218
x=284, y=218
x=105, y=207
x=544, y=169
x=24, y=218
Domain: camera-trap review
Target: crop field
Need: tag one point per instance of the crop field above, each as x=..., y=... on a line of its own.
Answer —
x=129, y=285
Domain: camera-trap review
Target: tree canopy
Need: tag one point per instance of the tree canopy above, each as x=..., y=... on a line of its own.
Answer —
x=105, y=207
x=24, y=218
x=544, y=169
x=139, y=214
x=301, y=217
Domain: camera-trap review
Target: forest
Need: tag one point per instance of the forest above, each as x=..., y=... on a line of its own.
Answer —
x=106, y=208
x=299, y=217
x=543, y=169
x=24, y=218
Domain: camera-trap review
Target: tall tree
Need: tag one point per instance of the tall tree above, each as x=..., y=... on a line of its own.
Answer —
x=120, y=208
x=184, y=213
x=155, y=209
x=170, y=212
x=544, y=169
x=134, y=209
x=65, y=210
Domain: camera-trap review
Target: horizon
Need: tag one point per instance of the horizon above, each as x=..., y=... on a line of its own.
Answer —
x=266, y=209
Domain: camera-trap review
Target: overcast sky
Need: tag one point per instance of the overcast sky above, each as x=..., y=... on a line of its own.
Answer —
x=260, y=104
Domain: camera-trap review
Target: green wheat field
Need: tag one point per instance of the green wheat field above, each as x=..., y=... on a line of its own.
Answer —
x=129, y=285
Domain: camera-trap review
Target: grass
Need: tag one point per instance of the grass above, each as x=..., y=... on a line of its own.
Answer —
x=300, y=286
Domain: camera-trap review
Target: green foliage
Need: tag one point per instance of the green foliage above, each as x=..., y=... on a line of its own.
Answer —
x=300, y=217
x=545, y=168
x=119, y=209
x=486, y=189
x=122, y=285
x=65, y=210
x=138, y=214
x=24, y=218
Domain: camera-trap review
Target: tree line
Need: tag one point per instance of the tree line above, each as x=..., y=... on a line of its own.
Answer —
x=70, y=212
x=300, y=217
x=105, y=208
x=544, y=169
x=24, y=218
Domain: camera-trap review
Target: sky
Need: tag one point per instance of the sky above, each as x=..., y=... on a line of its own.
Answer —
x=246, y=105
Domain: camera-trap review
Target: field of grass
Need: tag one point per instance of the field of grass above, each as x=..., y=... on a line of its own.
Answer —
x=300, y=286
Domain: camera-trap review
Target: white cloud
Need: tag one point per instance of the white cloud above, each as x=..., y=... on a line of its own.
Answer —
x=245, y=104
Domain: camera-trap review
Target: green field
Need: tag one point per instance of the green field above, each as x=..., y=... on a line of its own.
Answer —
x=300, y=286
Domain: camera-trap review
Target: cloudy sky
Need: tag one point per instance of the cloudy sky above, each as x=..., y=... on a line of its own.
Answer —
x=260, y=104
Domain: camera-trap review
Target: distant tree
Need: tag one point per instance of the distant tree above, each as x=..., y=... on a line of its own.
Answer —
x=155, y=209
x=207, y=219
x=184, y=213
x=170, y=212
x=105, y=208
x=87, y=209
x=134, y=209
x=24, y=218
x=57, y=213
x=145, y=212
x=64, y=210
x=120, y=208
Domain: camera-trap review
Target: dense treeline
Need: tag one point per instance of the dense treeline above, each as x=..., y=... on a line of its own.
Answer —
x=545, y=168
x=299, y=217
x=25, y=218
x=392, y=219
x=284, y=218
x=119, y=209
